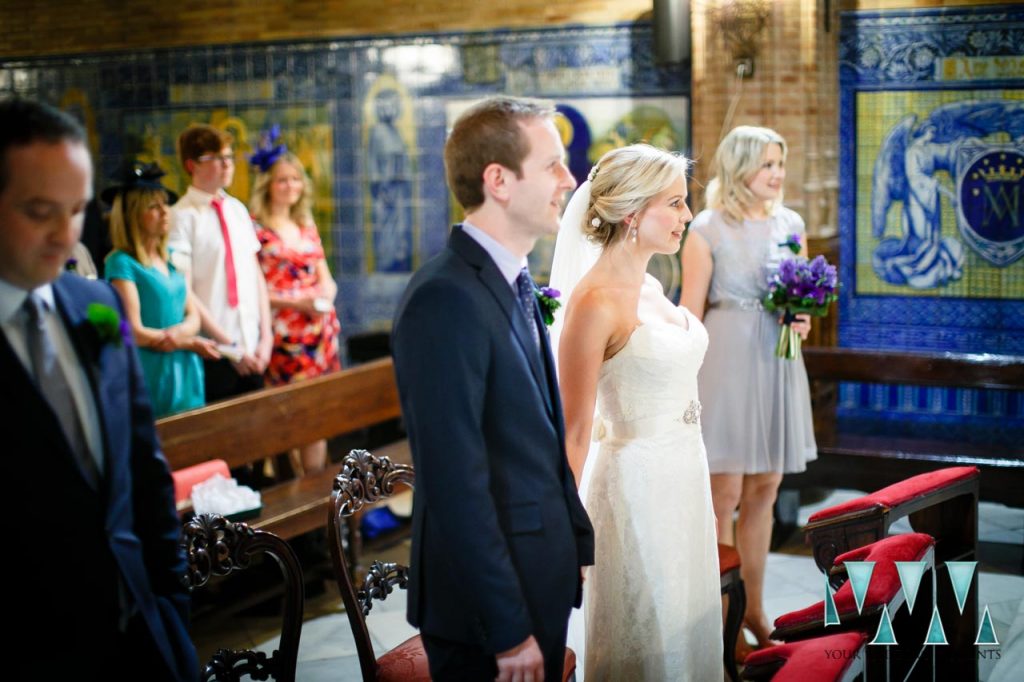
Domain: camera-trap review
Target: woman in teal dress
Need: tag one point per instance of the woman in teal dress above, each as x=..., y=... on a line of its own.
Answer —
x=157, y=301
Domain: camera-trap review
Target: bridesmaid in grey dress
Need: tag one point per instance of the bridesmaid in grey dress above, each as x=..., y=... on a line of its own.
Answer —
x=757, y=410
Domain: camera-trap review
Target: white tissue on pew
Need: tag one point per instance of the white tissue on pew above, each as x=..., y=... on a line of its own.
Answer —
x=219, y=495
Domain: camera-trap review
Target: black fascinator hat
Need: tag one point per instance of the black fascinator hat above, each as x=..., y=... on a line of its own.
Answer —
x=138, y=175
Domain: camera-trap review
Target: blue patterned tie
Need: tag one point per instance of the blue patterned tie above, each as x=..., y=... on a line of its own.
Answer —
x=524, y=285
x=54, y=386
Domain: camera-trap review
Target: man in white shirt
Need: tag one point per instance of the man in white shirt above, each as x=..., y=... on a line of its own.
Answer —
x=78, y=436
x=213, y=238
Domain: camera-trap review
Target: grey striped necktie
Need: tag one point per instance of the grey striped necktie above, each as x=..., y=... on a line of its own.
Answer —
x=524, y=286
x=53, y=384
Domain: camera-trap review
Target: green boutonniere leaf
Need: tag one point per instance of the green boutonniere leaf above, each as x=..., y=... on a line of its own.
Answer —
x=107, y=323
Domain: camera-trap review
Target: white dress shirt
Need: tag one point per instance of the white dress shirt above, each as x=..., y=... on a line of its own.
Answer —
x=196, y=237
x=509, y=265
x=13, y=321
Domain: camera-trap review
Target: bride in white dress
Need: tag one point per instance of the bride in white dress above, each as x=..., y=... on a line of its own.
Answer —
x=652, y=600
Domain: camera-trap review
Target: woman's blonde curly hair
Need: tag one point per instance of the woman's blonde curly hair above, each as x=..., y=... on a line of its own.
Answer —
x=259, y=204
x=737, y=160
x=623, y=183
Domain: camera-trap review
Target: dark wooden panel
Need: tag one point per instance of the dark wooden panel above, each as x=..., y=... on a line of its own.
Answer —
x=863, y=456
x=957, y=370
x=274, y=420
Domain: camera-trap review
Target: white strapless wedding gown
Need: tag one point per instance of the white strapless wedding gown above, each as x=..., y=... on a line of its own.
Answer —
x=652, y=600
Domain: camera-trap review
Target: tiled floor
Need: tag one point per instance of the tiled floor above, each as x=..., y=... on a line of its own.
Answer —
x=327, y=651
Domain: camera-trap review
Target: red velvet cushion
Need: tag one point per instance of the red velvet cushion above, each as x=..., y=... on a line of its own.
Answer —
x=885, y=580
x=185, y=479
x=569, y=667
x=819, y=659
x=407, y=662
x=728, y=558
x=901, y=492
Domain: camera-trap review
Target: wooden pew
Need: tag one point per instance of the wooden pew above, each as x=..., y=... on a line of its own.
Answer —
x=853, y=455
x=265, y=423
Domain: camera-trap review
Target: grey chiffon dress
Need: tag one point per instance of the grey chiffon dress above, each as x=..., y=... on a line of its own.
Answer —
x=756, y=407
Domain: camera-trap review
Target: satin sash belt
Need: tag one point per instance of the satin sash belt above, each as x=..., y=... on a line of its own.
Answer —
x=748, y=304
x=649, y=426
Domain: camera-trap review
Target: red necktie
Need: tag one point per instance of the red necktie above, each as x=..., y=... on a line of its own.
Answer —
x=229, y=259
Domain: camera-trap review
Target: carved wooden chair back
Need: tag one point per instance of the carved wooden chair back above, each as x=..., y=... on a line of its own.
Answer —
x=364, y=479
x=216, y=546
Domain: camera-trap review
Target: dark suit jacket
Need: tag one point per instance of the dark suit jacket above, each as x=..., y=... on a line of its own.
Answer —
x=79, y=543
x=499, y=532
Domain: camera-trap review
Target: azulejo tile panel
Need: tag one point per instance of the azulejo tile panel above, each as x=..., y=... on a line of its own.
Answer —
x=932, y=177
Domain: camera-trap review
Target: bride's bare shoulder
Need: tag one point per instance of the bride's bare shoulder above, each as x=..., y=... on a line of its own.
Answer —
x=592, y=300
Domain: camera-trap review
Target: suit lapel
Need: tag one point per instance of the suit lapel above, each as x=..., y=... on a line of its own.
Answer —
x=38, y=411
x=491, y=278
x=550, y=373
x=89, y=350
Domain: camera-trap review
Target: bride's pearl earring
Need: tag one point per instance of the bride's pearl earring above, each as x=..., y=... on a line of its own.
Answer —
x=632, y=233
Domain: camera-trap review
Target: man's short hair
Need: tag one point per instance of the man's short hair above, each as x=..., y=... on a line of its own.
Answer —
x=199, y=139
x=489, y=132
x=24, y=121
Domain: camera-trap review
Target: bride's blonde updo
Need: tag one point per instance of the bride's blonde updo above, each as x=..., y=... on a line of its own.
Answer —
x=622, y=183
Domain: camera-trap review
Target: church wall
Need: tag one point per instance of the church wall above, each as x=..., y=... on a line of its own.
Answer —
x=366, y=109
x=137, y=73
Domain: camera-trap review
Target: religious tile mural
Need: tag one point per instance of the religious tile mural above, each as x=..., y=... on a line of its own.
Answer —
x=932, y=200
x=367, y=116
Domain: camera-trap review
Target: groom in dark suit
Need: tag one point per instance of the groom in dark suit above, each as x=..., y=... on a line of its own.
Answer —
x=499, y=533
x=89, y=513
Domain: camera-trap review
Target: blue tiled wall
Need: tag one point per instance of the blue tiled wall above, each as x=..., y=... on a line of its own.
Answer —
x=929, y=60
x=124, y=97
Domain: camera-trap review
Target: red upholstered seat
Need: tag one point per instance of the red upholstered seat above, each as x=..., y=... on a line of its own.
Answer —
x=569, y=668
x=885, y=580
x=728, y=558
x=407, y=662
x=185, y=479
x=899, y=493
x=820, y=659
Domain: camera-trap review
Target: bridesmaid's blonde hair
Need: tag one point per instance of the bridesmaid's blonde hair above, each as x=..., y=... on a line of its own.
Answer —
x=623, y=182
x=737, y=160
x=126, y=223
x=259, y=204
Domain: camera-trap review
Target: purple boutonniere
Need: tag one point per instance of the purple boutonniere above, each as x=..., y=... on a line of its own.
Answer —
x=108, y=325
x=792, y=243
x=549, y=303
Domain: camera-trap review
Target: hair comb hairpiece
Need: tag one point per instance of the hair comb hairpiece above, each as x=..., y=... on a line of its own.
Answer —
x=268, y=153
x=593, y=172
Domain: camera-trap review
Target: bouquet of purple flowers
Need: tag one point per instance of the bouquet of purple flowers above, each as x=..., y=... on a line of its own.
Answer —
x=799, y=286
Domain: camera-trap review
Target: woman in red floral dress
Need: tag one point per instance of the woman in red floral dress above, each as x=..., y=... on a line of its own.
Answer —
x=301, y=287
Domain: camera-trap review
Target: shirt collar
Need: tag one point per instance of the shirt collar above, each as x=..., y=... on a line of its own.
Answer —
x=200, y=197
x=12, y=298
x=508, y=263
